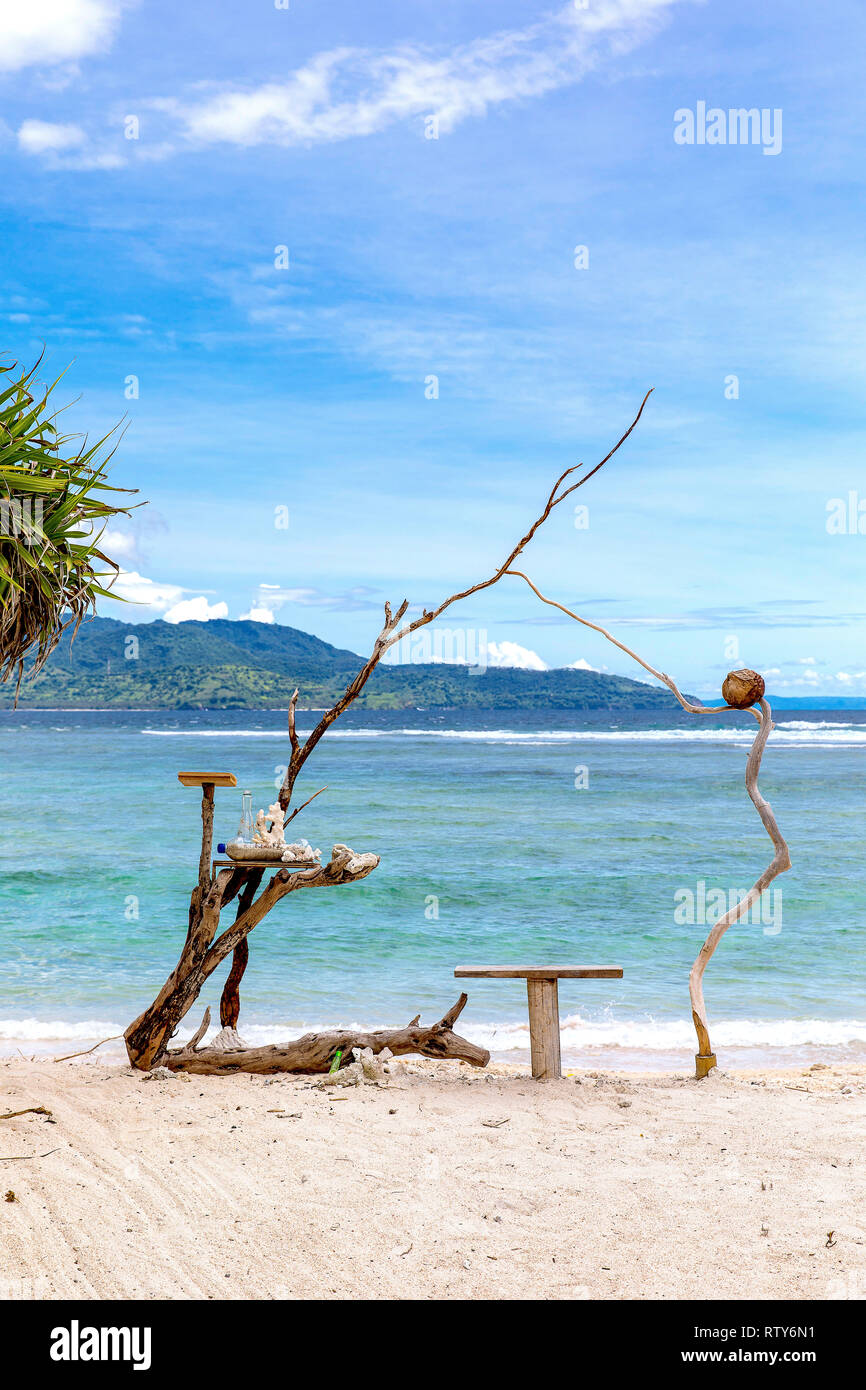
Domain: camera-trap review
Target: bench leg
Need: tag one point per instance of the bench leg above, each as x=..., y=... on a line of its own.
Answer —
x=544, y=1028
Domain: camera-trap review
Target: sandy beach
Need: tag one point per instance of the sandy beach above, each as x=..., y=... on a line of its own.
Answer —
x=443, y=1183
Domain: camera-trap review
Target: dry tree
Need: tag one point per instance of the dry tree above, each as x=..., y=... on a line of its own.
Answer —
x=148, y=1037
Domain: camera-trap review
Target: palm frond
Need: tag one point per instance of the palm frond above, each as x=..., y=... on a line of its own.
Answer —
x=52, y=516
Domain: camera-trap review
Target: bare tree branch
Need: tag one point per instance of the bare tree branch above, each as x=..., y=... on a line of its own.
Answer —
x=293, y=735
x=392, y=632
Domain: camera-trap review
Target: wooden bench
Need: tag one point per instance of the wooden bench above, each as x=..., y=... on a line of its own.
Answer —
x=543, y=993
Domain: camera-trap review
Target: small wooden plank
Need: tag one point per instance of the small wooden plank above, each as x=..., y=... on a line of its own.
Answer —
x=265, y=864
x=538, y=972
x=543, y=996
x=204, y=779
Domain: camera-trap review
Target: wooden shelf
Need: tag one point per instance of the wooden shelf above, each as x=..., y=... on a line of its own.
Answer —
x=205, y=779
x=263, y=864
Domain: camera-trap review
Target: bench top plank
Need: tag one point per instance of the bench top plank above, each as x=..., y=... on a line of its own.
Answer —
x=538, y=972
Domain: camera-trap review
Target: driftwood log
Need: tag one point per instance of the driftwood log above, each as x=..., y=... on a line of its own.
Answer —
x=315, y=1052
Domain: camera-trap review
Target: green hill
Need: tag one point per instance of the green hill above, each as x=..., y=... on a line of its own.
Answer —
x=246, y=665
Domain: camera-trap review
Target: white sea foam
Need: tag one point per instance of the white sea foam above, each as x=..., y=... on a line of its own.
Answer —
x=647, y=1034
x=43, y=1030
x=677, y=1034
x=793, y=734
x=814, y=724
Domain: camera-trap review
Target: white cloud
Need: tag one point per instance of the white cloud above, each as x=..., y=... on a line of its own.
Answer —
x=258, y=614
x=135, y=588
x=812, y=683
x=512, y=654
x=344, y=92
x=196, y=610
x=42, y=33
x=580, y=665
x=162, y=599
x=350, y=92
x=44, y=137
x=119, y=545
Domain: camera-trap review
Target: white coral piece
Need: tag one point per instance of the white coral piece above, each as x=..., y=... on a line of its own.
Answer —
x=228, y=1040
x=271, y=836
x=368, y=1067
x=293, y=854
x=352, y=1075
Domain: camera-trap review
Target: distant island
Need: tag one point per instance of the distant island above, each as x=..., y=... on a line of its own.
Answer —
x=223, y=664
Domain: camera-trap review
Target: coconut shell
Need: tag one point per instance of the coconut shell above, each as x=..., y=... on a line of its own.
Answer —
x=742, y=689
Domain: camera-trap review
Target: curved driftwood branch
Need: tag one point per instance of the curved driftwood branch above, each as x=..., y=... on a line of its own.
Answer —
x=315, y=1052
x=706, y=1059
x=781, y=861
x=690, y=706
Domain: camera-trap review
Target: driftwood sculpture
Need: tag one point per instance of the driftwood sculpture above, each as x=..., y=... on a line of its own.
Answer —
x=741, y=690
x=148, y=1038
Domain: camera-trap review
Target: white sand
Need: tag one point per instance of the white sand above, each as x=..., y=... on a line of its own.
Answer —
x=622, y=1186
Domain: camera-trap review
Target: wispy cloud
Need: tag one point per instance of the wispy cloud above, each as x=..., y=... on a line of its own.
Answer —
x=64, y=146
x=774, y=613
x=348, y=93
x=271, y=598
x=44, y=137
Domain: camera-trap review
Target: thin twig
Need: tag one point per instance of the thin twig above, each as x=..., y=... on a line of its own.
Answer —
x=87, y=1051
x=31, y=1110
x=21, y=1158
x=300, y=808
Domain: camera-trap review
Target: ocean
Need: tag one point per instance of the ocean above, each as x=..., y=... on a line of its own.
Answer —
x=591, y=838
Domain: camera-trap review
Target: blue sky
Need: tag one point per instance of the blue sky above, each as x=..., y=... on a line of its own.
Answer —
x=263, y=387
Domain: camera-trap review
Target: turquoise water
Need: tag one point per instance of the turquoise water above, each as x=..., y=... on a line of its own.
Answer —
x=478, y=819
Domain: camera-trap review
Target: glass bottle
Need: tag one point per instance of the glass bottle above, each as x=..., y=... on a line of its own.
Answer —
x=246, y=829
